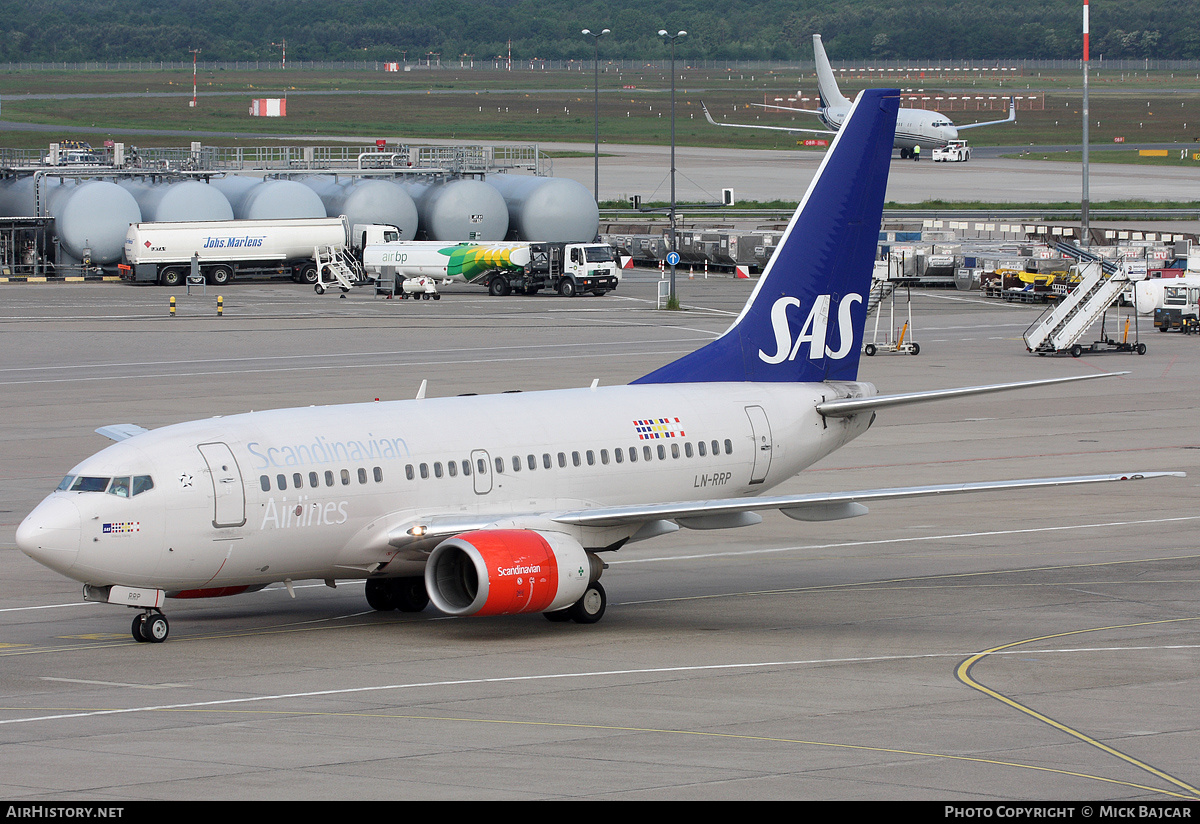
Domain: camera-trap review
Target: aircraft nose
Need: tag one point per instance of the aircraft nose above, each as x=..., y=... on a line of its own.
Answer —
x=50, y=534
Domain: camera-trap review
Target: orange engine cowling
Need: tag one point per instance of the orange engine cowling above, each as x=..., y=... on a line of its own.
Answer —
x=506, y=571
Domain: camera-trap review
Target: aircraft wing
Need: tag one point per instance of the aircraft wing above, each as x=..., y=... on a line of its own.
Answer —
x=1012, y=116
x=816, y=112
x=769, y=128
x=721, y=513
x=724, y=513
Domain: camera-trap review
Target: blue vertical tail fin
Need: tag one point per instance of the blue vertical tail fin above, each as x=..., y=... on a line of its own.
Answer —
x=805, y=319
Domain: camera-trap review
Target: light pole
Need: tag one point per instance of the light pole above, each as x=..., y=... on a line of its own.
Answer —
x=671, y=38
x=596, y=41
x=194, y=53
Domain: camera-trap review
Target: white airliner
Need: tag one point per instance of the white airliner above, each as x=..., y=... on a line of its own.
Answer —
x=914, y=127
x=442, y=499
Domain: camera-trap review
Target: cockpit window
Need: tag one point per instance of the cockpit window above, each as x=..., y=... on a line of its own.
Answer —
x=125, y=486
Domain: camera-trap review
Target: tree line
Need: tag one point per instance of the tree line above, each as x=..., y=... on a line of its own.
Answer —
x=415, y=30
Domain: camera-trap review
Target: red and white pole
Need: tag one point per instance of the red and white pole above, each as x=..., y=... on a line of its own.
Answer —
x=1085, y=218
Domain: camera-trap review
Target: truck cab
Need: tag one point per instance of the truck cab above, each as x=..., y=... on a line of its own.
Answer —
x=1180, y=309
x=575, y=268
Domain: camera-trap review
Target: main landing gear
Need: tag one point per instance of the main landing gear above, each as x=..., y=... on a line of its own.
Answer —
x=404, y=594
x=151, y=627
x=587, y=610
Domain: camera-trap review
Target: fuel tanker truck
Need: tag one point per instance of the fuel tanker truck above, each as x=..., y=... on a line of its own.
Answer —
x=504, y=267
x=222, y=249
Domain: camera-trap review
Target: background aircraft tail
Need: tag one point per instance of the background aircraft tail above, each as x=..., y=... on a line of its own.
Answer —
x=831, y=95
x=805, y=319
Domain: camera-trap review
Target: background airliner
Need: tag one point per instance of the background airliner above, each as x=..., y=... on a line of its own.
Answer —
x=442, y=499
x=914, y=127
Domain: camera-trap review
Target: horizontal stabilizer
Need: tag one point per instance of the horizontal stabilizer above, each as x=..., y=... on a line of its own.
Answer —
x=852, y=406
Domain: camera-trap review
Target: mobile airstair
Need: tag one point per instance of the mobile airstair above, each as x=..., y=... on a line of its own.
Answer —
x=342, y=270
x=883, y=288
x=1061, y=327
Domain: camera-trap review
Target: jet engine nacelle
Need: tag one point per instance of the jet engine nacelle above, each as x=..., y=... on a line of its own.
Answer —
x=507, y=571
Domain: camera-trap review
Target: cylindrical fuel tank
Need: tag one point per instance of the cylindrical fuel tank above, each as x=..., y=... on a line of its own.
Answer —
x=93, y=215
x=460, y=210
x=234, y=187
x=274, y=199
x=553, y=209
x=183, y=200
x=365, y=201
x=17, y=195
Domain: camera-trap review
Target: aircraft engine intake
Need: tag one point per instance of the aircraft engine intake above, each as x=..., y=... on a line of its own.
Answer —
x=507, y=571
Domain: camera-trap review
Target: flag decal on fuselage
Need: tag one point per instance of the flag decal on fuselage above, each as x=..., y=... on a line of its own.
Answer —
x=649, y=429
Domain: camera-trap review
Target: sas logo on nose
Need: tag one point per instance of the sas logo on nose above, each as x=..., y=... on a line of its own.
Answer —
x=814, y=332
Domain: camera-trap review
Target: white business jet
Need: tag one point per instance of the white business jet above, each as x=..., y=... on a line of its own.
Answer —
x=437, y=499
x=914, y=127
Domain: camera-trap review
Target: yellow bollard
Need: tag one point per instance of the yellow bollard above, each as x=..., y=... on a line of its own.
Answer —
x=172, y=306
x=220, y=305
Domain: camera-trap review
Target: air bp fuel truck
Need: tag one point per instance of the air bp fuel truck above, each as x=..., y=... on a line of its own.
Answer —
x=163, y=252
x=519, y=267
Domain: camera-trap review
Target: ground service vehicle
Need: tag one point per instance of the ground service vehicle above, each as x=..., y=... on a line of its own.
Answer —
x=222, y=249
x=1180, y=309
x=956, y=151
x=522, y=267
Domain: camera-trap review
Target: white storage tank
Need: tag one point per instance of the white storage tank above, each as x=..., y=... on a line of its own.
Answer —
x=92, y=217
x=182, y=200
x=365, y=200
x=274, y=199
x=460, y=210
x=17, y=195
x=553, y=209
